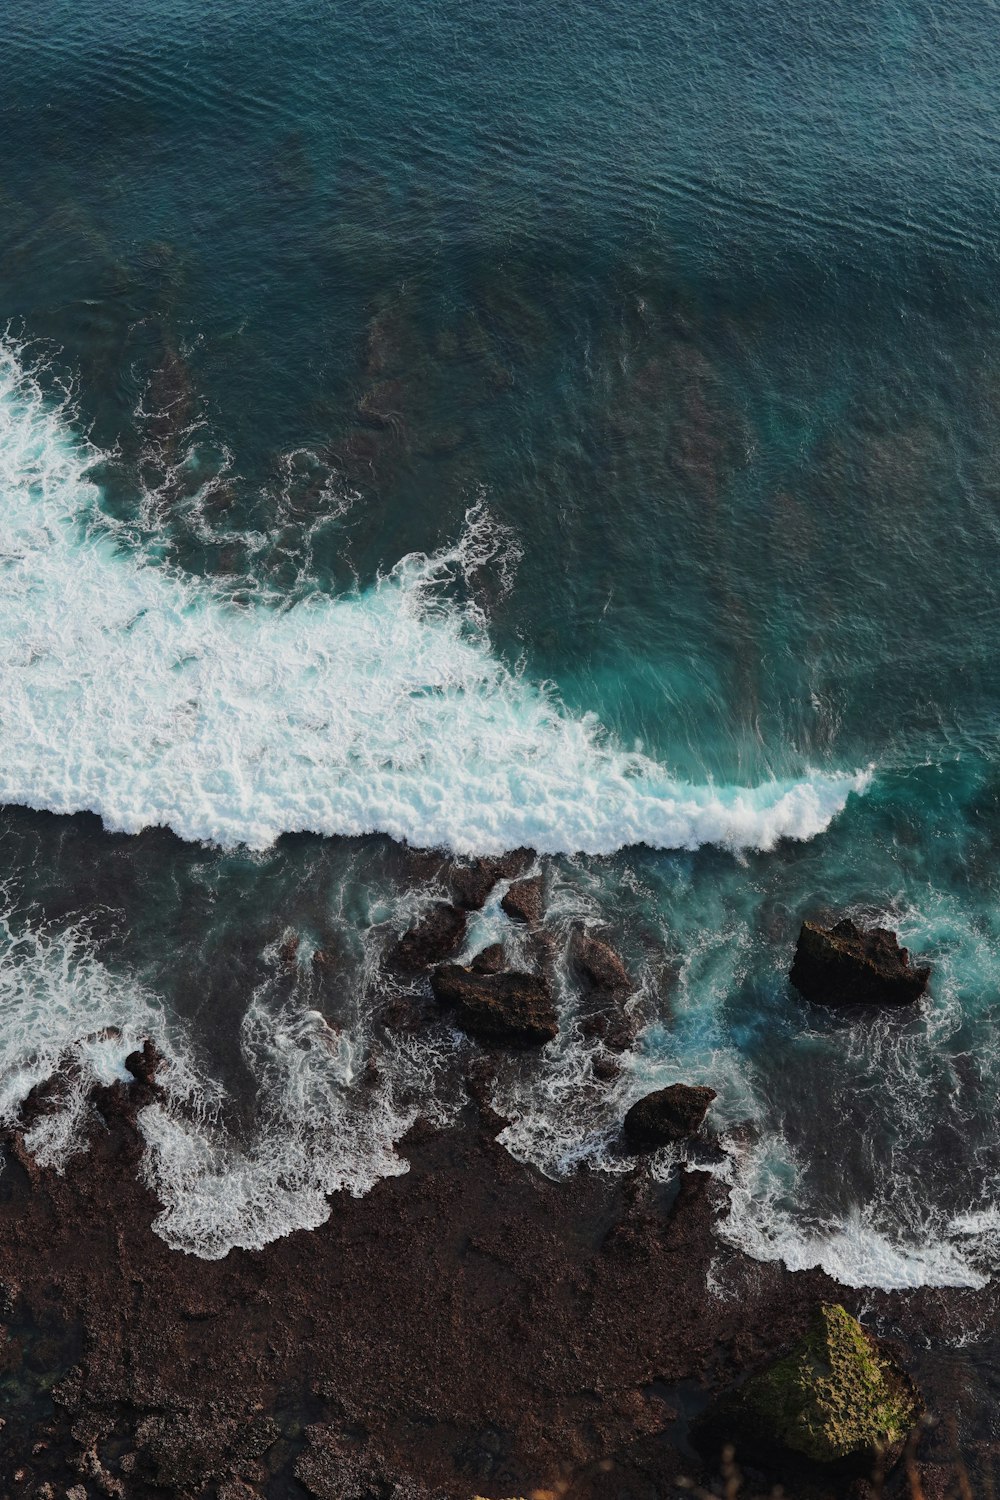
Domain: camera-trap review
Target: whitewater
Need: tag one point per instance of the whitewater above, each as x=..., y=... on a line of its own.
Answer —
x=149, y=698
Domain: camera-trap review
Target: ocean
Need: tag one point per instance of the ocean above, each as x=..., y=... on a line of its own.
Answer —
x=457, y=426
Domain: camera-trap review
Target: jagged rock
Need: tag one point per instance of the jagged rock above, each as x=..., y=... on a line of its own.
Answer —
x=90, y=1467
x=490, y=960
x=838, y=1398
x=605, y=983
x=842, y=965
x=670, y=1114
x=512, y=1008
x=144, y=1064
x=525, y=900
x=598, y=965
x=471, y=883
x=438, y=935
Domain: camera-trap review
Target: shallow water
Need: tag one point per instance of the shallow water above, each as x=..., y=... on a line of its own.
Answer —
x=483, y=425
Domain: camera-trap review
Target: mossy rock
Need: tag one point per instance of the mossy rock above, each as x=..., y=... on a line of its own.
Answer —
x=837, y=1396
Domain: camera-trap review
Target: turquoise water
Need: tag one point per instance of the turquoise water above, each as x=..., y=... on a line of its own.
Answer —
x=475, y=425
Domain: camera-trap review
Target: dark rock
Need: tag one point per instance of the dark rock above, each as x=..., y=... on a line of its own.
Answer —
x=46, y=1098
x=525, y=901
x=598, y=965
x=144, y=1064
x=401, y=1014
x=438, y=935
x=480, y=1080
x=187, y=1448
x=842, y=965
x=605, y=983
x=671, y=1114
x=838, y=1399
x=511, y=1008
x=328, y=1470
x=490, y=960
x=471, y=883
x=612, y=1025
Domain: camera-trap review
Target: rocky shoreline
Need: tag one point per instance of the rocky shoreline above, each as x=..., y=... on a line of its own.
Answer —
x=467, y=1329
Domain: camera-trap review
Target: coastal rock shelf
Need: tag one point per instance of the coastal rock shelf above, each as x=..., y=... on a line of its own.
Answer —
x=359, y=1358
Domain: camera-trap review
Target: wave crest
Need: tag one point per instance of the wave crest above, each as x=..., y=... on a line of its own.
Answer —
x=147, y=697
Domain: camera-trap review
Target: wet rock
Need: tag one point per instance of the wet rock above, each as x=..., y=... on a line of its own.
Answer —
x=480, y=1081
x=235, y=1489
x=525, y=901
x=671, y=1114
x=843, y=965
x=47, y=1097
x=91, y=1468
x=490, y=960
x=144, y=1064
x=598, y=965
x=612, y=1025
x=472, y=883
x=438, y=935
x=511, y=1008
x=838, y=1398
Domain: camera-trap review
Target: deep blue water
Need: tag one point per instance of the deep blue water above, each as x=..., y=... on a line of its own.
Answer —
x=695, y=310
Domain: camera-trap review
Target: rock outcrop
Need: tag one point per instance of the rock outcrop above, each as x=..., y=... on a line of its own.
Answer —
x=838, y=1398
x=490, y=960
x=438, y=935
x=144, y=1064
x=511, y=1008
x=667, y=1115
x=525, y=901
x=471, y=883
x=598, y=965
x=843, y=965
x=605, y=986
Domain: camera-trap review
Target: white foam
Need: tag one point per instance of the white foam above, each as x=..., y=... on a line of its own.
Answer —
x=317, y=1131
x=146, y=697
x=62, y=1011
x=317, y=1128
x=857, y=1251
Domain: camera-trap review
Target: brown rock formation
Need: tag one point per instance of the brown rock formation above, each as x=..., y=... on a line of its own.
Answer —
x=525, y=901
x=439, y=933
x=843, y=965
x=670, y=1114
x=510, y=1008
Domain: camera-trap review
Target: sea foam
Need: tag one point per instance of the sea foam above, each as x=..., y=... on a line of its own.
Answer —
x=146, y=696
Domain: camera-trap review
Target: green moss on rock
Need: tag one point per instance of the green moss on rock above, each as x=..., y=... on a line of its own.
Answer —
x=835, y=1396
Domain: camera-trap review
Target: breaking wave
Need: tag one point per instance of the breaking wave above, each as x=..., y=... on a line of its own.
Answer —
x=147, y=697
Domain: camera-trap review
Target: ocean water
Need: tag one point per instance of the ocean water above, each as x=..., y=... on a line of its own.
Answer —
x=440, y=425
